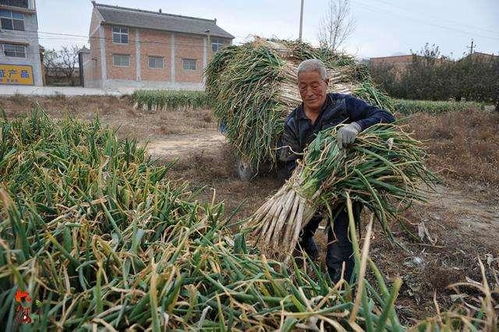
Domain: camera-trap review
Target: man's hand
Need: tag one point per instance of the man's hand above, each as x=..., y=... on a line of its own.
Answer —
x=346, y=135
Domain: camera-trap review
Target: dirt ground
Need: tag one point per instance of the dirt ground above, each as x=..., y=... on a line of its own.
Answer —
x=443, y=238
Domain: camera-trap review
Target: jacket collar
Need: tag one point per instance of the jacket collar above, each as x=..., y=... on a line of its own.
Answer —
x=301, y=112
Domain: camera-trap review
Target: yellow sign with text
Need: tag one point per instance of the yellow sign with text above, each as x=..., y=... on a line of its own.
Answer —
x=16, y=74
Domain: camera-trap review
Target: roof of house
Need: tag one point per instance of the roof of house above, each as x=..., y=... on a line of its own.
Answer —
x=392, y=57
x=84, y=49
x=483, y=54
x=138, y=18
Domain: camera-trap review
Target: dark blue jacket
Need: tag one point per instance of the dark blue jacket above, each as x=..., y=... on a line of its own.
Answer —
x=338, y=108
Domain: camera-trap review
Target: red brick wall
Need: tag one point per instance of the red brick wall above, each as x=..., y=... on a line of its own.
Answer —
x=189, y=47
x=392, y=60
x=94, y=72
x=116, y=72
x=152, y=43
x=155, y=43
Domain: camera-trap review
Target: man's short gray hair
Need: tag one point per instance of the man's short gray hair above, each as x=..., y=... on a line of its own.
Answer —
x=313, y=65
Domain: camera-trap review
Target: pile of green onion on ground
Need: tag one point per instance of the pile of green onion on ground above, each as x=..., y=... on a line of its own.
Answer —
x=99, y=238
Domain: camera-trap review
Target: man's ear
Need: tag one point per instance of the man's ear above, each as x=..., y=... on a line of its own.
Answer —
x=327, y=81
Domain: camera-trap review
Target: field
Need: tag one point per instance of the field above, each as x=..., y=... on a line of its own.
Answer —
x=458, y=225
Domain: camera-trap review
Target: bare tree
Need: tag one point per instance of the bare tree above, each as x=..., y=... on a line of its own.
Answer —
x=62, y=63
x=50, y=60
x=336, y=25
x=68, y=62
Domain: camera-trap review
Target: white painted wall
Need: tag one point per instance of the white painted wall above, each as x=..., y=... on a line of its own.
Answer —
x=29, y=36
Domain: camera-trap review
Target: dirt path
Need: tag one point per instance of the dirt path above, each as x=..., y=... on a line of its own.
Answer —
x=471, y=216
x=184, y=145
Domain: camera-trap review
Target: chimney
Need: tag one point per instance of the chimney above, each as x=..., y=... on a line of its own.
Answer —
x=215, y=20
x=160, y=11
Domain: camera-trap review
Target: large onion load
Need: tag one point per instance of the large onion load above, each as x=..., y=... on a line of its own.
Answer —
x=253, y=88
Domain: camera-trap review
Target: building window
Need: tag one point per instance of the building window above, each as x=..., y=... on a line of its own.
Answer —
x=216, y=44
x=15, y=3
x=155, y=62
x=11, y=20
x=14, y=50
x=121, y=60
x=189, y=64
x=120, y=35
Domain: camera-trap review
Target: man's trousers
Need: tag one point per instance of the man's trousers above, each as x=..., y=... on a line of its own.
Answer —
x=339, y=248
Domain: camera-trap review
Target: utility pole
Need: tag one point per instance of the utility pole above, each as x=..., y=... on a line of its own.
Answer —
x=472, y=47
x=301, y=20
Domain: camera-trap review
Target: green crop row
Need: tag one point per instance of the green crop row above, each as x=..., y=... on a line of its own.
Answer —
x=168, y=99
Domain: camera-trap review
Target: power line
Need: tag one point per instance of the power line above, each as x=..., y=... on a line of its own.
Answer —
x=376, y=9
x=74, y=36
x=388, y=3
x=66, y=36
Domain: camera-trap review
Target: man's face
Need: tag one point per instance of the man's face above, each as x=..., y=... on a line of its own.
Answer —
x=313, y=90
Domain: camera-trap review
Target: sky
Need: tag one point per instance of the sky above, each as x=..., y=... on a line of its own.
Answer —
x=383, y=27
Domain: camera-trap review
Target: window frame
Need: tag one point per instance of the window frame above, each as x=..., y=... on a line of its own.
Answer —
x=12, y=19
x=218, y=42
x=155, y=57
x=15, y=52
x=20, y=4
x=122, y=55
x=120, y=34
x=185, y=60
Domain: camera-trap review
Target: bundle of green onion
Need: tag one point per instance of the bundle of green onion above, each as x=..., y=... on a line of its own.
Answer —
x=383, y=170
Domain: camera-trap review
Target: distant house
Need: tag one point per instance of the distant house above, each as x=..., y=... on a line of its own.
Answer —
x=481, y=56
x=400, y=62
x=143, y=49
x=19, y=49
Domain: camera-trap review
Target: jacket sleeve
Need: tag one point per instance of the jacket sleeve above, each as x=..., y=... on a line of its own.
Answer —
x=366, y=115
x=289, y=147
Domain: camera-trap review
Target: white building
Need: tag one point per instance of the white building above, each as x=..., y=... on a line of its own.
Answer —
x=19, y=49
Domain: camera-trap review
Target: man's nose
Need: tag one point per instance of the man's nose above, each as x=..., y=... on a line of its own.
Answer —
x=310, y=92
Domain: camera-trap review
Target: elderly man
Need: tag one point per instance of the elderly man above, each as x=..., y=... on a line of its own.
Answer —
x=321, y=110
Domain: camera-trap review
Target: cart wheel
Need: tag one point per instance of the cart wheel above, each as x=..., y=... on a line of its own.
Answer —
x=244, y=170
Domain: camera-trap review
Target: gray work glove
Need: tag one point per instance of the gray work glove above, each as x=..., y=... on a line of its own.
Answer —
x=346, y=135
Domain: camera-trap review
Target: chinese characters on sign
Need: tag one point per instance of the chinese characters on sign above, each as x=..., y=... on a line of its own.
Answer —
x=16, y=74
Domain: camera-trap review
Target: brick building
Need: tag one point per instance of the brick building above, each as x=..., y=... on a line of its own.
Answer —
x=481, y=56
x=400, y=62
x=132, y=48
x=19, y=48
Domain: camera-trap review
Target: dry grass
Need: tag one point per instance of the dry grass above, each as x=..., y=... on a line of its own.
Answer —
x=463, y=146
